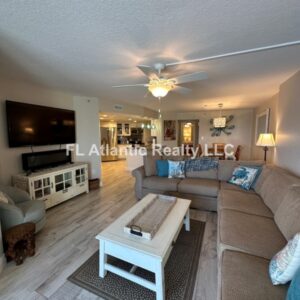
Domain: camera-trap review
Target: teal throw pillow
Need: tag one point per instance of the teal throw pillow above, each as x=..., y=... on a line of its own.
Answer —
x=162, y=168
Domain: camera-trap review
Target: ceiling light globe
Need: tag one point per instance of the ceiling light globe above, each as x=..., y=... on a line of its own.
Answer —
x=159, y=92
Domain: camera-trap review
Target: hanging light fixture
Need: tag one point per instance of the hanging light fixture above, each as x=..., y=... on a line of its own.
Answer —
x=220, y=122
x=159, y=88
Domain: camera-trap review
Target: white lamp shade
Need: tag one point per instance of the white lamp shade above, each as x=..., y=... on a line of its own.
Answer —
x=266, y=140
x=219, y=122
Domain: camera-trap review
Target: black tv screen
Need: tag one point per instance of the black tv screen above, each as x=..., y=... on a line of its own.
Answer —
x=35, y=125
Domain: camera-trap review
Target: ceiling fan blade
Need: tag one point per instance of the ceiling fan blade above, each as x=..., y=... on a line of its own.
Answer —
x=241, y=52
x=130, y=85
x=181, y=90
x=148, y=71
x=190, y=77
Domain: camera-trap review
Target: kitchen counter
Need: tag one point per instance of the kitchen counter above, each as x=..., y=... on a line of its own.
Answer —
x=134, y=157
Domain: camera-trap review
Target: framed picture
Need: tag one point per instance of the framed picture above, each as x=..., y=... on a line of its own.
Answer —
x=169, y=130
x=262, y=123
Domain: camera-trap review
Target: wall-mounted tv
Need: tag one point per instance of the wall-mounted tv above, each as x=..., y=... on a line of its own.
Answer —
x=35, y=125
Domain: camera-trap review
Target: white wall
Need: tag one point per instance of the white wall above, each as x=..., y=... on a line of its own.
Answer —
x=130, y=109
x=241, y=135
x=10, y=158
x=88, y=132
x=287, y=153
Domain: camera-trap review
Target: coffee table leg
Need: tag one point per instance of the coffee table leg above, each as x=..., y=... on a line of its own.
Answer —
x=187, y=221
x=160, y=282
x=102, y=259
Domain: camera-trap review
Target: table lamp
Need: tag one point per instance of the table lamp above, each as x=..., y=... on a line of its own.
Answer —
x=266, y=140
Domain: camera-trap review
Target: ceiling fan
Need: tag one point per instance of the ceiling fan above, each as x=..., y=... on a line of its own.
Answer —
x=160, y=85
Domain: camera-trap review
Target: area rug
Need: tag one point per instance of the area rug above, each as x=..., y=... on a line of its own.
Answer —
x=180, y=272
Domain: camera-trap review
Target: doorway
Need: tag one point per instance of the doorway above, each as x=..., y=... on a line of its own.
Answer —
x=188, y=132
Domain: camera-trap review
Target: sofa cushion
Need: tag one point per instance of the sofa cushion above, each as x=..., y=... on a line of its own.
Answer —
x=33, y=211
x=252, y=234
x=246, y=277
x=203, y=187
x=161, y=183
x=150, y=163
x=244, y=202
x=232, y=187
x=226, y=168
x=275, y=187
x=265, y=172
x=287, y=216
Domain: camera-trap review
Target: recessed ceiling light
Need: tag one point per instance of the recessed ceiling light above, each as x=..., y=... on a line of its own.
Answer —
x=101, y=118
x=129, y=119
x=134, y=121
x=104, y=116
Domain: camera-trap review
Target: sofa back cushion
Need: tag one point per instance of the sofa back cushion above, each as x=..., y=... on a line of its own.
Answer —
x=275, y=187
x=287, y=216
x=265, y=172
x=203, y=167
x=226, y=168
x=150, y=163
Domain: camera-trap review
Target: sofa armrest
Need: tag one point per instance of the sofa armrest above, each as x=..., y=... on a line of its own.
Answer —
x=17, y=195
x=10, y=215
x=139, y=175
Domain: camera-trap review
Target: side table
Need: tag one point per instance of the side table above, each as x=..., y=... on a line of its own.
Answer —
x=20, y=242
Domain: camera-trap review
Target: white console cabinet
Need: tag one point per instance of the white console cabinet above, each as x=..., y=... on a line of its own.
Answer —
x=55, y=185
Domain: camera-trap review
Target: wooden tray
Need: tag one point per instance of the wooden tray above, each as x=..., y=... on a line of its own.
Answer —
x=147, y=222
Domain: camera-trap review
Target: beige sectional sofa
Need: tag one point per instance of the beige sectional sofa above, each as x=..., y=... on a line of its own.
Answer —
x=252, y=225
x=252, y=228
x=200, y=187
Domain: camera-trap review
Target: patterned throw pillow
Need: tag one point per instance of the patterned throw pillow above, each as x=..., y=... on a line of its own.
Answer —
x=201, y=164
x=4, y=198
x=176, y=169
x=294, y=291
x=244, y=177
x=286, y=262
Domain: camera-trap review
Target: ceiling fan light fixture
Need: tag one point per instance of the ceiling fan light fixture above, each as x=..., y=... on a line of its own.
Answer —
x=160, y=88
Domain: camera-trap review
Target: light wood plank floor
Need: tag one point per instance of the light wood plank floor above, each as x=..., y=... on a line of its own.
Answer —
x=68, y=240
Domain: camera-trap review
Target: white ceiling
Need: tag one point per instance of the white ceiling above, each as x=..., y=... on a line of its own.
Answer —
x=86, y=47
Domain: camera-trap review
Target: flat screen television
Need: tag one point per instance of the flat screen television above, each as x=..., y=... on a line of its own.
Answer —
x=35, y=125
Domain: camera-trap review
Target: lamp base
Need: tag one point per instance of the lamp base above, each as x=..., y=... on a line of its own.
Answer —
x=266, y=150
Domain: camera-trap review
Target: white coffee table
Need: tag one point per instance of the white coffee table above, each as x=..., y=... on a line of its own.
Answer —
x=152, y=254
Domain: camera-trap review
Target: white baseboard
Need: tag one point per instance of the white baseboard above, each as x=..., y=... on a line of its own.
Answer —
x=2, y=262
